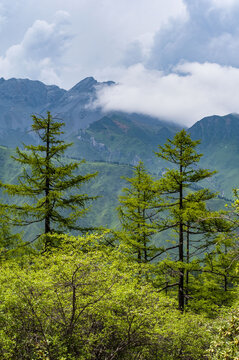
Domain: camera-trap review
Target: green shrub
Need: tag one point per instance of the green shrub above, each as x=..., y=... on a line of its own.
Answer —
x=86, y=301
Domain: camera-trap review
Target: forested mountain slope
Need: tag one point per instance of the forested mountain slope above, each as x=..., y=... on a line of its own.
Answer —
x=219, y=137
x=123, y=138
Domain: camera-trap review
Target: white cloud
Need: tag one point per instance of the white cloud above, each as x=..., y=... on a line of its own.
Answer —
x=209, y=34
x=190, y=92
x=39, y=54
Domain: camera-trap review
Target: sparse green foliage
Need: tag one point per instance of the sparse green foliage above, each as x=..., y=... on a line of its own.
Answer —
x=186, y=207
x=138, y=213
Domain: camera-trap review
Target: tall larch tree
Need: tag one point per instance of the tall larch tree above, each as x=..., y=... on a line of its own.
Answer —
x=180, y=198
x=138, y=213
x=46, y=184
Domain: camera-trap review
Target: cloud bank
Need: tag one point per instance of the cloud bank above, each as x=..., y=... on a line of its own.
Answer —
x=190, y=92
x=191, y=69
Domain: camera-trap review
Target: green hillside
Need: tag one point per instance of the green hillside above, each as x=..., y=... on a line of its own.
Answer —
x=220, y=148
x=122, y=138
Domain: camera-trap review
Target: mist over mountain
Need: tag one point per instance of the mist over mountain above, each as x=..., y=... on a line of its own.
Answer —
x=20, y=98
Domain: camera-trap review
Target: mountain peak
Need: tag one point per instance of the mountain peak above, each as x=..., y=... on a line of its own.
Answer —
x=84, y=85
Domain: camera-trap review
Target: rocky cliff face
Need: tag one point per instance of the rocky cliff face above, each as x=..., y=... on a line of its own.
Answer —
x=20, y=98
x=73, y=107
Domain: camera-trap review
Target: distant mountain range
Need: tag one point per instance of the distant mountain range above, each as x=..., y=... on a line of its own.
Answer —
x=114, y=137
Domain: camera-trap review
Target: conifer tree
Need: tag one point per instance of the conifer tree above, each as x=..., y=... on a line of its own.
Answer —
x=180, y=199
x=46, y=183
x=138, y=212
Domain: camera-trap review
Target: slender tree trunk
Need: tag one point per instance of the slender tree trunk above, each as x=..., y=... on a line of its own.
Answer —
x=225, y=277
x=225, y=283
x=181, y=250
x=187, y=272
x=47, y=187
x=144, y=236
x=181, y=270
x=139, y=256
x=139, y=249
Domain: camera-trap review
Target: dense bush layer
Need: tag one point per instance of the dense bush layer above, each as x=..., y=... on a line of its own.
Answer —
x=85, y=301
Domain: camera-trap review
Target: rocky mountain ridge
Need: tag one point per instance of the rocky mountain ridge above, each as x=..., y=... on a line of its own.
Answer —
x=20, y=98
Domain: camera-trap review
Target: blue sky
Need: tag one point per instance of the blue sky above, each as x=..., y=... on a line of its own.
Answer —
x=173, y=59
